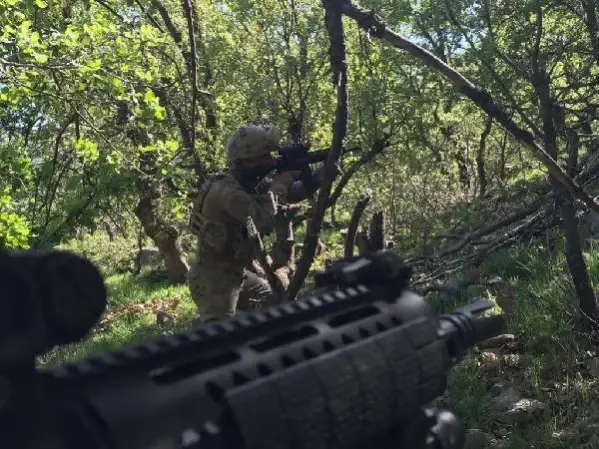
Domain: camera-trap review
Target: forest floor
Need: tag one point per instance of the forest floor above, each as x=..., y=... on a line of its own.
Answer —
x=536, y=389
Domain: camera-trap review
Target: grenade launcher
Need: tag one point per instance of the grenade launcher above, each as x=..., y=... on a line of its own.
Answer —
x=353, y=366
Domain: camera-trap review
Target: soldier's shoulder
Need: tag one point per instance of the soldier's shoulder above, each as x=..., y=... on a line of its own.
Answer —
x=225, y=183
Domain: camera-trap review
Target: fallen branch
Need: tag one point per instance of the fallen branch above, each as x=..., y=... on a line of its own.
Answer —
x=350, y=239
x=480, y=233
x=453, y=286
x=475, y=258
x=492, y=228
x=375, y=26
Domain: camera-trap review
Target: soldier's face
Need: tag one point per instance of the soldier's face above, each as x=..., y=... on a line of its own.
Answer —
x=267, y=159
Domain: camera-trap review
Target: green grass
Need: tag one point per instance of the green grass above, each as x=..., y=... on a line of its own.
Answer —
x=552, y=352
x=131, y=324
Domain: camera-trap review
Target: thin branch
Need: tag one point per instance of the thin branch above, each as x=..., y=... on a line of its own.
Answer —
x=377, y=148
x=150, y=17
x=110, y=9
x=193, y=66
x=493, y=72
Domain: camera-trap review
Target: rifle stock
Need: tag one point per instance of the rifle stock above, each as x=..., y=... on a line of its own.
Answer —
x=349, y=367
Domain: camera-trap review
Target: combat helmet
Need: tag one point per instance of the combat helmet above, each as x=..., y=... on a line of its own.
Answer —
x=252, y=141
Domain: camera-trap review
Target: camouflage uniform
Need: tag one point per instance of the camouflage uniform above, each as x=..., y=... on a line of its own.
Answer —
x=219, y=278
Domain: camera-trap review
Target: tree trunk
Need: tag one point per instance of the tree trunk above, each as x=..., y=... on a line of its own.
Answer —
x=108, y=230
x=576, y=264
x=502, y=173
x=369, y=239
x=164, y=235
x=463, y=170
x=333, y=212
x=377, y=232
x=165, y=238
x=480, y=159
x=569, y=225
x=350, y=239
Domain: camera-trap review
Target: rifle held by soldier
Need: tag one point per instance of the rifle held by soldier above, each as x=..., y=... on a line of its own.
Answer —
x=299, y=157
x=353, y=366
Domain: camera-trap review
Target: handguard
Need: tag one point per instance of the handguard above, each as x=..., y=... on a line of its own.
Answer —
x=351, y=367
x=298, y=157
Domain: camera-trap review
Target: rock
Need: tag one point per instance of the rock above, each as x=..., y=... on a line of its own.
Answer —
x=164, y=319
x=593, y=366
x=148, y=257
x=503, y=396
x=496, y=342
x=508, y=405
x=589, y=434
x=497, y=388
x=523, y=411
x=477, y=439
x=588, y=225
x=489, y=361
x=505, y=295
x=156, y=277
x=494, y=280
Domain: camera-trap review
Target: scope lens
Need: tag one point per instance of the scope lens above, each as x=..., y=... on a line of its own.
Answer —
x=47, y=299
x=76, y=295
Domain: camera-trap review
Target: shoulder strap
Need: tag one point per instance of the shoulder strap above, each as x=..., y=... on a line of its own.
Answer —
x=195, y=222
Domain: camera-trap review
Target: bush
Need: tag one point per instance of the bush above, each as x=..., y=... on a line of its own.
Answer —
x=111, y=257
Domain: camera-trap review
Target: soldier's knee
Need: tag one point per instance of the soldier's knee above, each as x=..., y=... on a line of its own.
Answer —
x=215, y=308
x=210, y=320
x=264, y=290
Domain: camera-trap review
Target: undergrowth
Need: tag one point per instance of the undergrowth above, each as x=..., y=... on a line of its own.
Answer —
x=539, y=305
x=550, y=362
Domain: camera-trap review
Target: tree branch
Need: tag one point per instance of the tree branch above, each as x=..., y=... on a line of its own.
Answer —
x=193, y=66
x=377, y=27
x=334, y=24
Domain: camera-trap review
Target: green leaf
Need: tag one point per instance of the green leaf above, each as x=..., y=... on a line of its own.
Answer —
x=94, y=64
x=87, y=149
x=40, y=57
x=41, y=4
x=159, y=113
x=171, y=145
x=150, y=97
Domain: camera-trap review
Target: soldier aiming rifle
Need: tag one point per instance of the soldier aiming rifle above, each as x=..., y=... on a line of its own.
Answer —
x=219, y=280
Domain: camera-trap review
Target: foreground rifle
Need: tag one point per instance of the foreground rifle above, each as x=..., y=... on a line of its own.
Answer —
x=351, y=367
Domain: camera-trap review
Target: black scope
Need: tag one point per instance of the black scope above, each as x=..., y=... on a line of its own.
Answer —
x=48, y=299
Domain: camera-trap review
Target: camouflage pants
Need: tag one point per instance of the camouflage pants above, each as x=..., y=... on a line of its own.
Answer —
x=220, y=289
